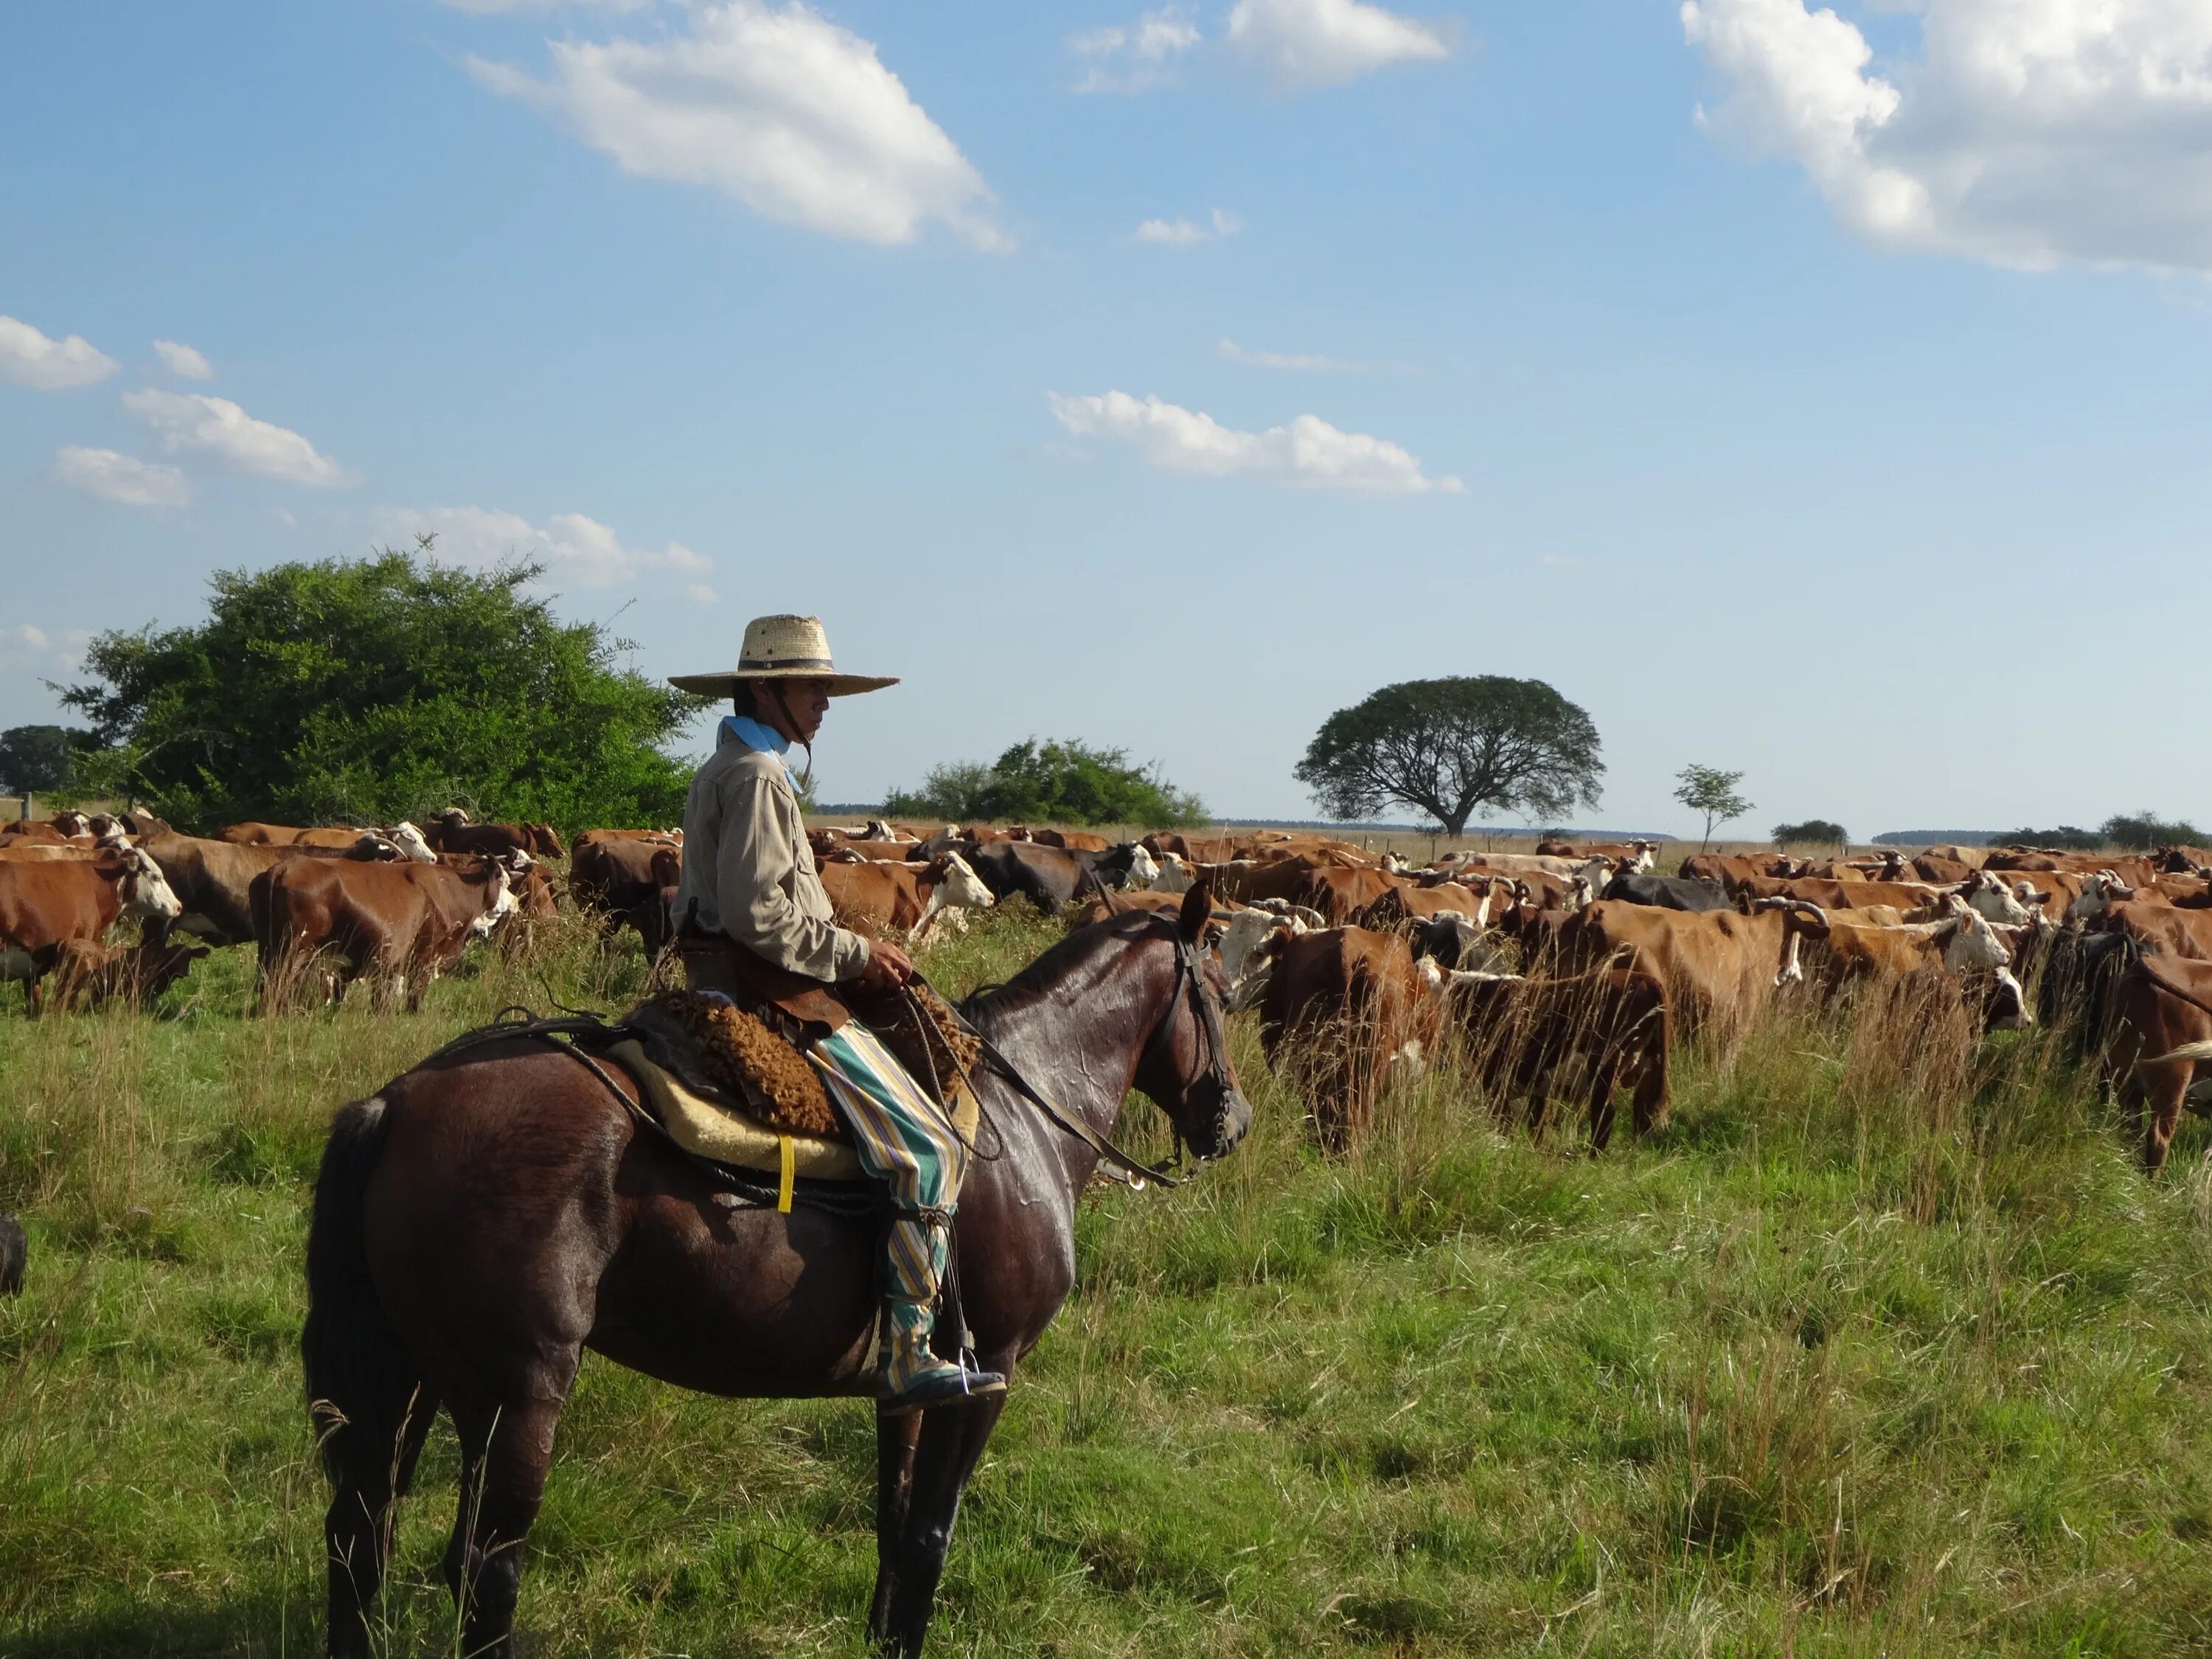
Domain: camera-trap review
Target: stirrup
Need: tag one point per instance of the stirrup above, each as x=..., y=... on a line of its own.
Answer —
x=941, y=1384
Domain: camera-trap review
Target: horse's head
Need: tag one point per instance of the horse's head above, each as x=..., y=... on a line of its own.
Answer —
x=1186, y=1069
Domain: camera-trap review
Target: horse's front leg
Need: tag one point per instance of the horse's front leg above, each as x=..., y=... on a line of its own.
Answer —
x=897, y=1435
x=953, y=1438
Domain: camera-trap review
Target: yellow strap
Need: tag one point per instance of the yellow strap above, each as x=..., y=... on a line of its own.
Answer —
x=787, y=1156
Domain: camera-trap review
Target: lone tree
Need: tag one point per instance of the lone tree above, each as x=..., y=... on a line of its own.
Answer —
x=1708, y=790
x=365, y=690
x=1449, y=746
x=1814, y=832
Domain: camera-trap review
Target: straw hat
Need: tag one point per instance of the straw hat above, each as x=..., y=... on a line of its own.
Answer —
x=783, y=648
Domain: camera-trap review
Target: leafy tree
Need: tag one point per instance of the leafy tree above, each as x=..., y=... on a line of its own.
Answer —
x=2066, y=838
x=1448, y=746
x=1068, y=781
x=34, y=759
x=2139, y=832
x=1814, y=832
x=1708, y=790
x=371, y=690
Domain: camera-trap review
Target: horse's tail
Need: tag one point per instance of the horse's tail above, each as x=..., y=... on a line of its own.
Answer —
x=361, y=1382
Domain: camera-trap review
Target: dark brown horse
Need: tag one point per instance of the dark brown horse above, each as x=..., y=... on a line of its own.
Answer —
x=488, y=1216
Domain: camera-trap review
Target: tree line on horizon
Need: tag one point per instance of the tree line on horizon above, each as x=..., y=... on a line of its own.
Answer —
x=371, y=690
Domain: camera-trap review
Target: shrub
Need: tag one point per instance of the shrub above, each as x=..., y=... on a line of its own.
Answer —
x=1068, y=781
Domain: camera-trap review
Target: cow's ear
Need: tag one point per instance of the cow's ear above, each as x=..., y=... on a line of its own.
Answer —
x=1197, y=911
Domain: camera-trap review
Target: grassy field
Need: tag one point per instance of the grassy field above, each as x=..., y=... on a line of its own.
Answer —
x=1877, y=1349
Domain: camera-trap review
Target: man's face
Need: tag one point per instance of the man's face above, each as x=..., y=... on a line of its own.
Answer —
x=802, y=703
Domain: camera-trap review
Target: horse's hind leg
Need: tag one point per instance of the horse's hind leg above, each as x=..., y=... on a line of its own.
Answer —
x=358, y=1529
x=505, y=1455
x=897, y=1435
x=952, y=1441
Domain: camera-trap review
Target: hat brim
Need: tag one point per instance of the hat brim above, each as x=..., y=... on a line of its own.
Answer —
x=721, y=685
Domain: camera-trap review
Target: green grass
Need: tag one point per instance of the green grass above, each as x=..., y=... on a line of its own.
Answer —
x=1879, y=1349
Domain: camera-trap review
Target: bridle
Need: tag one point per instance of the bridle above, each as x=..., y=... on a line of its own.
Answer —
x=1190, y=976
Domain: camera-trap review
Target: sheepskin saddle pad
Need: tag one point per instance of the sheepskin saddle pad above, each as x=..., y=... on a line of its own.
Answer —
x=728, y=1088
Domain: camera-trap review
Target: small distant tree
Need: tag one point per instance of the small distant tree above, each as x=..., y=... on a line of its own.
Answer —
x=2139, y=832
x=1065, y=781
x=1708, y=790
x=1814, y=832
x=1448, y=746
x=35, y=759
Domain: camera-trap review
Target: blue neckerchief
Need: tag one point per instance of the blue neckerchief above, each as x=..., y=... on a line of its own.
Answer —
x=756, y=736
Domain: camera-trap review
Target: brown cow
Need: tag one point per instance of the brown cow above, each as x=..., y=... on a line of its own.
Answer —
x=2162, y=1035
x=1966, y=951
x=285, y=835
x=45, y=906
x=1718, y=966
x=613, y=872
x=2162, y=929
x=213, y=879
x=1832, y=895
x=1533, y=1039
x=886, y=900
x=1347, y=1006
x=1403, y=903
x=401, y=925
x=451, y=832
x=1074, y=840
x=1340, y=894
x=88, y=973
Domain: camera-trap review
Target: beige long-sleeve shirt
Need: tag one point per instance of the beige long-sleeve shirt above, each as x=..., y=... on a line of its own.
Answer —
x=747, y=865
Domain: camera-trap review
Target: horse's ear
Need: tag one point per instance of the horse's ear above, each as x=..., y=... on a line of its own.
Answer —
x=1197, y=911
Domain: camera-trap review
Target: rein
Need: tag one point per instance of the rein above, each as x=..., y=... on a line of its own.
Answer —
x=1134, y=1170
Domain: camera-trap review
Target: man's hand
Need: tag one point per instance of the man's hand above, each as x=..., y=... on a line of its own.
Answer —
x=888, y=967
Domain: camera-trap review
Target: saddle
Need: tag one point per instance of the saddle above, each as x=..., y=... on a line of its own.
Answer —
x=745, y=1101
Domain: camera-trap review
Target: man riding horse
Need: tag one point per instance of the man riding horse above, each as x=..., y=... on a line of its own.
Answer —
x=755, y=926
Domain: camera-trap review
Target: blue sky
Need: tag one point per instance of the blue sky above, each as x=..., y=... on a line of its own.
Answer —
x=1818, y=394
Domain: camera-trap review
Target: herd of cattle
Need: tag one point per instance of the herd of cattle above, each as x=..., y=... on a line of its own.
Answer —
x=1569, y=974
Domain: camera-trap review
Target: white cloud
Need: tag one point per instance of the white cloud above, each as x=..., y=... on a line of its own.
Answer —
x=193, y=423
x=182, y=361
x=1307, y=452
x=571, y=546
x=1323, y=43
x=114, y=476
x=2028, y=132
x=1133, y=57
x=29, y=358
x=1238, y=354
x=26, y=649
x=703, y=593
x=1181, y=233
x=776, y=106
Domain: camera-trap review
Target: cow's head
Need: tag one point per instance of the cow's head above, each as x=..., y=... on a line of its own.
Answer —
x=1246, y=948
x=2098, y=892
x=1174, y=874
x=409, y=840
x=144, y=890
x=1989, y=896
x=499, y=893
x=1143, y=868
x=959, y=886
x=454, y=818
x=69, y=822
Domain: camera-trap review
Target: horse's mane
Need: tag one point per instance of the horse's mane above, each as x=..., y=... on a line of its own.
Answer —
x=1030, y=986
